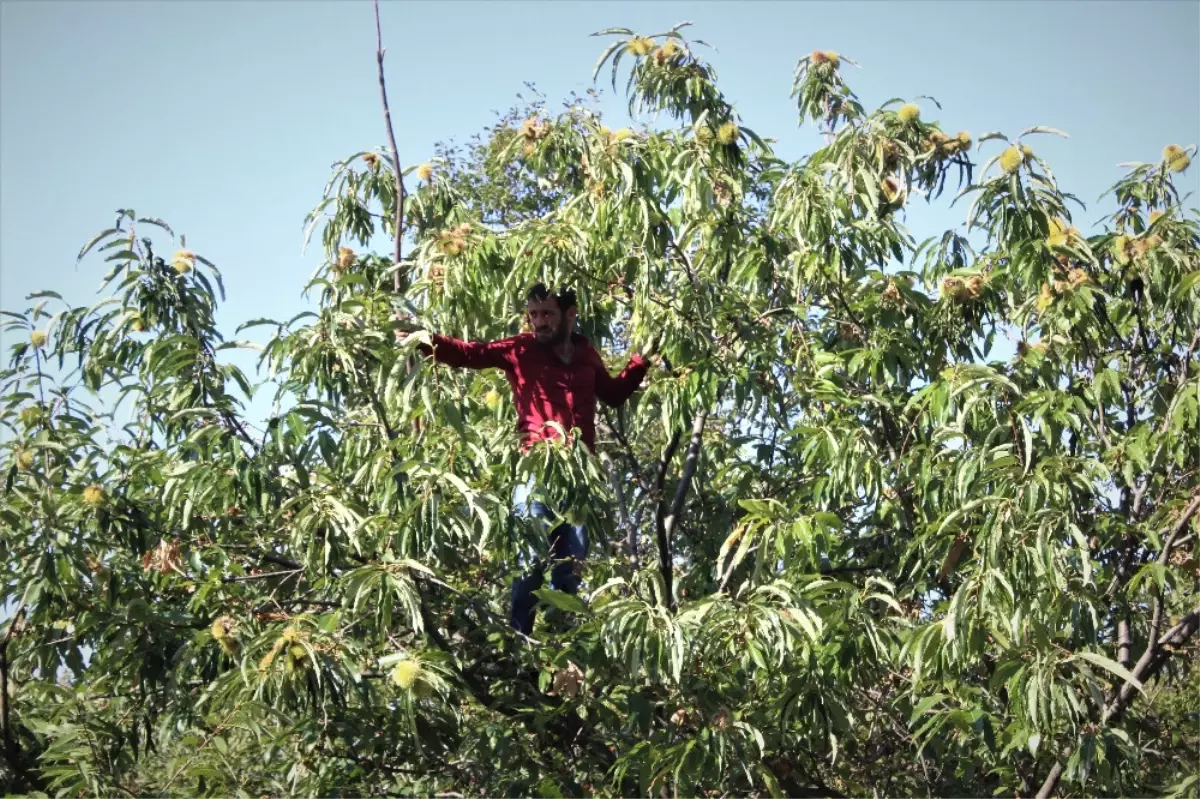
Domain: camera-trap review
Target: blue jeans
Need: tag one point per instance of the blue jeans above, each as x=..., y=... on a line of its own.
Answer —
x=568, y=548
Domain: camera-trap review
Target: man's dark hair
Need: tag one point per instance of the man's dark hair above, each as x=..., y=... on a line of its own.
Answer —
x=565, y=297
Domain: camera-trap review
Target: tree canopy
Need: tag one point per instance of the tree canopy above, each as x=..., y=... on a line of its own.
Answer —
x=840, y=546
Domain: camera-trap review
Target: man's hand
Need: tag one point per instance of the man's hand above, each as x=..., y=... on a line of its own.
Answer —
x=404, y=328
x=649, y=347
x=649, y=351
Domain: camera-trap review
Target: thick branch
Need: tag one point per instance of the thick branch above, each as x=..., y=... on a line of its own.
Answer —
x=664, y=545
x=1151, y=663
x=10, y=744
x=1124, y=643
x=279, y=560
x=668, y=523
x=689, y=470
x=1155, y=656
x=631, y=537
x=387, y=117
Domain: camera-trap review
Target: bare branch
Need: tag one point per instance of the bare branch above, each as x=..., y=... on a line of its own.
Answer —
x=10, y=743
x=631, y=537
x=278, y=560
x=664, y=544
x=1151, y=663
x=668, y=522
x=1158, y=650
x=264, y=576
x=689, y=470
x=387, y=116
x=1180, y=525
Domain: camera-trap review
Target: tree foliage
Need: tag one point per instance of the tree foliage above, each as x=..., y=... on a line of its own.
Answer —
x=842, y=546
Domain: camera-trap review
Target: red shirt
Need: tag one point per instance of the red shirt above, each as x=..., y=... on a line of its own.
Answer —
x=544, y=388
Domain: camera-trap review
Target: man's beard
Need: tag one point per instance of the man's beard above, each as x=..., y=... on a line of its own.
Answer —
x=553, y=337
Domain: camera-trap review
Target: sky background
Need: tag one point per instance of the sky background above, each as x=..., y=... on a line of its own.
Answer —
x=223, y=117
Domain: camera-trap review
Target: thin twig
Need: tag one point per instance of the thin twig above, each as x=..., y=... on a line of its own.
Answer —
x=314, y=603
x=729, y=570
x=387, y=117
x=1180, y=525
x=265, y=576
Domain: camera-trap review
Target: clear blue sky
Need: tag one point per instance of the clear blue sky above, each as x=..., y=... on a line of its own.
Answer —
x=224, y=117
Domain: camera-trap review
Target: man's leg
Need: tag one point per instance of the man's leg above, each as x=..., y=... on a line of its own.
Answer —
x=523, y=601
x=568, y=546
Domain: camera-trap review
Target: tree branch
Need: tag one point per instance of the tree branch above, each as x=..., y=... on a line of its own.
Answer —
x=1151, y=663
x=479, y=606
x=1187, y=356
x=566, y=727
x=1188, y=513
x=664, y=545
x=631, y=537
x=264, y=576
x=278, y=560
x=315, y=603
x=391, y=134
x=667, y=523
x=1155, y=656
x=689, y=470
x=10, y=745
x=1180, y=525
x=618, y=432
x=376, y=405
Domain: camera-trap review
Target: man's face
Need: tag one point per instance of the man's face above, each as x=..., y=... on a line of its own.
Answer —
x=549, y=323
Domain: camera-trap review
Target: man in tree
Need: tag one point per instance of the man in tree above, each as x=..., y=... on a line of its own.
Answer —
x=556, y=376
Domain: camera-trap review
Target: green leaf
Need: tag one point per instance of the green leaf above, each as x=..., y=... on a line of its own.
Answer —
x=1042, y=129
x=1112, y=666
x=563, y=601
x=158, y=223
x=92, y=242
x=923, y=707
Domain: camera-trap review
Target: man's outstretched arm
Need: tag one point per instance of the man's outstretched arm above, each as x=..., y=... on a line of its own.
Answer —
x=615, y=390
x=469, y=354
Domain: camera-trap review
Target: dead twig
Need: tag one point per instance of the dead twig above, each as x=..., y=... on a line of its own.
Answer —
x=391, y=134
